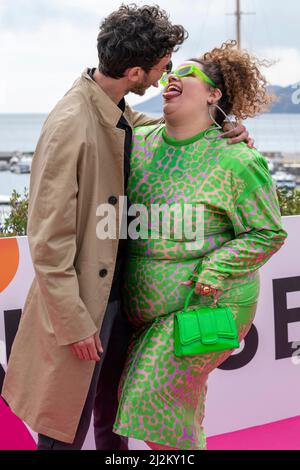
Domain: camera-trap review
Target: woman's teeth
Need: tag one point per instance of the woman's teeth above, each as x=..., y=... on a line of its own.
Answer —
x=172, y=88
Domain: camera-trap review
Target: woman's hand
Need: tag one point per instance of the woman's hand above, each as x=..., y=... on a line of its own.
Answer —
x=204, y=289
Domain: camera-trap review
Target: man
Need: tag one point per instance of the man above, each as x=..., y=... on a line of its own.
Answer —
x=55, y=377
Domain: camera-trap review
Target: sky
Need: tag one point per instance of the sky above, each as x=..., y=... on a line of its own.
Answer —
x=46, y=44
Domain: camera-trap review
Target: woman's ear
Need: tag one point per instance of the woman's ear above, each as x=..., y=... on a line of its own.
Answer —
x=214, y=96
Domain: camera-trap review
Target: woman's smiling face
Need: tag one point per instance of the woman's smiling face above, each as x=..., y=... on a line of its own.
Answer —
x=186, y=95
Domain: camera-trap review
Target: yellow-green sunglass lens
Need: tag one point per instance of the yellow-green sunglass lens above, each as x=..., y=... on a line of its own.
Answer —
x=164, y=78
x=185, y=71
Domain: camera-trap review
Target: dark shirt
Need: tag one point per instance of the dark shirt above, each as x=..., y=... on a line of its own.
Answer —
x=122, y=124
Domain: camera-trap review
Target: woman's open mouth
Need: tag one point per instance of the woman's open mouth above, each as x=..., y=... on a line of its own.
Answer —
x=172, y=91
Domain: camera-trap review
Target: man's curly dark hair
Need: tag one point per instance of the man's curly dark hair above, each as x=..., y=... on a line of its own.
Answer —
x=136, y=36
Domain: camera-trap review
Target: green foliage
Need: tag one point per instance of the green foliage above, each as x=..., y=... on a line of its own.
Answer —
x=16, y=223
x=289, y=201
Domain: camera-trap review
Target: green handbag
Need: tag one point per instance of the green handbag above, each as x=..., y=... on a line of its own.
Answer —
x=200, y=330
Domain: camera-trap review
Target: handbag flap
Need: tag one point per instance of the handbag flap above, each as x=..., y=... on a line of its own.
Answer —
x=226, y=325
x=208, y=327
x=188, y=327
x=207, y=324
x=195, y=325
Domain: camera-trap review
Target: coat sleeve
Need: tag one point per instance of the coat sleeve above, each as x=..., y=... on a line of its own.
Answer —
x=140, y=119
x=52, y=230
x=257, y=227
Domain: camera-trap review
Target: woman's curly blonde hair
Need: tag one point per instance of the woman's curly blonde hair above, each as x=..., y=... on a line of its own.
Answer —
x=236, y=73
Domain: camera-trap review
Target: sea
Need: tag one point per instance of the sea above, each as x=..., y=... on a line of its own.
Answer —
x=20, y=132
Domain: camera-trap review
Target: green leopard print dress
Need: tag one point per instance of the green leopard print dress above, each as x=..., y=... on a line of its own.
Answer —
x=162, y=397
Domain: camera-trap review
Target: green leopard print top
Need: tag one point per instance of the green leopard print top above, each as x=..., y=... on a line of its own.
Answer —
x=241, y=223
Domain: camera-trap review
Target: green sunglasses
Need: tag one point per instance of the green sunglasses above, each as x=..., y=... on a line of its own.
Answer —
x=185, y=71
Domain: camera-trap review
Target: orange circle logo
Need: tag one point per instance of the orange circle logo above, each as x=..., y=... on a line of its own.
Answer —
x=9, y=261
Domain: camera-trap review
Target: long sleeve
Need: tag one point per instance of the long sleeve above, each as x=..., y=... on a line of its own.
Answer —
x=52, y=230
x=140, y=119
x=256, y=223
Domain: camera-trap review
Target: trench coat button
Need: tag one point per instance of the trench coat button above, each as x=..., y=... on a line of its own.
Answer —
x=103, y=272
x=112, y=200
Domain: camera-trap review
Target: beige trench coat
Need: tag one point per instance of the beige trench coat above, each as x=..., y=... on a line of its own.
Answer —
x=78, y=164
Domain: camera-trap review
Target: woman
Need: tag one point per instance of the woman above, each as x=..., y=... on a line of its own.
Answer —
x=185, y=162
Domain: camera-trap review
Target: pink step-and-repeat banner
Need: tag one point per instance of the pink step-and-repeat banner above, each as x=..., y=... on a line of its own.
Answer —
x=259, y=384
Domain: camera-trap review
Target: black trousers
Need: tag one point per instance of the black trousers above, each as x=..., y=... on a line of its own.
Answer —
x=102, y=397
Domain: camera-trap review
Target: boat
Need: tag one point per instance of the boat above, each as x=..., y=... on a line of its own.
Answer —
x=23, y=166
x=4, y=166
x=284, y=180
x=4, y=200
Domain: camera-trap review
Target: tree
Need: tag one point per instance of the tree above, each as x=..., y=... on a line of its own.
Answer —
x=289, y=201
x=16, y=223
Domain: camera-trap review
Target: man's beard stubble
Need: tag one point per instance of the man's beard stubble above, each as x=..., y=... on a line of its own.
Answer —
x=141, y=88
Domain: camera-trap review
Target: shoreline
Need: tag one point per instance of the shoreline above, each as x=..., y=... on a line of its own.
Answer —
x=7, y=154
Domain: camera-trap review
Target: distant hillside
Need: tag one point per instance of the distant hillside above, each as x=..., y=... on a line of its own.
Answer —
x=283, y=105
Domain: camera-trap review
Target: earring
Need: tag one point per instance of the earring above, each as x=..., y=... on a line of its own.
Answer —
x=210, y=107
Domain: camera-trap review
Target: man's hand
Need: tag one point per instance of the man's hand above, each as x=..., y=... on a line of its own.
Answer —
x=88, y=348
x=238, y=134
